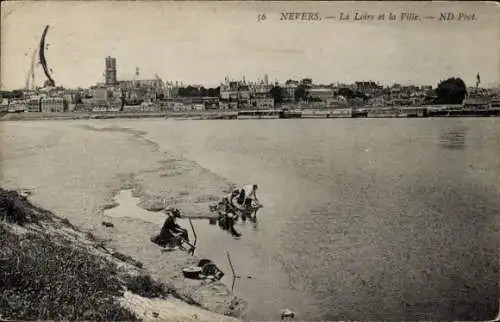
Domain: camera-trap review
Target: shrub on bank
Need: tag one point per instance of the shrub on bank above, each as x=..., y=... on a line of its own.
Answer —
x=45, y=280
x=43, y=277
x=17, y=209
x=145, y=286
x=127, y=259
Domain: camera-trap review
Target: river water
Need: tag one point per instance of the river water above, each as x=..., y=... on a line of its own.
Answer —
x=363, y=219
x=368, y=219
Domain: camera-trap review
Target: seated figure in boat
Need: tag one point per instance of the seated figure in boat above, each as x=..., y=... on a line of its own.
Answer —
x=248, y=201
x=228, y=213
x=171, y=233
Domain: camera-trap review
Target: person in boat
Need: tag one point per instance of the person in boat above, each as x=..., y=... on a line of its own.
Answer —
x=229, y=213
x=248, y=201
x=171, y=230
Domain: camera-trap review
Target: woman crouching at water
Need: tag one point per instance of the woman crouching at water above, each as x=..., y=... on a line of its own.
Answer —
x=170, y=230
x=249, y=202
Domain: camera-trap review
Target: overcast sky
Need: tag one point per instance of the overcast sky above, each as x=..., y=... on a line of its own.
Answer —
x=201, y=43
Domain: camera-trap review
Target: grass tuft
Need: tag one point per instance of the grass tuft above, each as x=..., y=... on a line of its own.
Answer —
x=145, y=286
x=15, y=208
x=127, y=259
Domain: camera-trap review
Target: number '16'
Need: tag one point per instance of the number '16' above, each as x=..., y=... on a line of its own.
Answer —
x=261, y=17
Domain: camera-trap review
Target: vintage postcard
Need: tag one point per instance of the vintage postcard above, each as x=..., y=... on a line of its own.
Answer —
x=249, y=161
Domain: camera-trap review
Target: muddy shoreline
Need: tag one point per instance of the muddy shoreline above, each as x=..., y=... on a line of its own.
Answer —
x=69, y=274
x=81, y=196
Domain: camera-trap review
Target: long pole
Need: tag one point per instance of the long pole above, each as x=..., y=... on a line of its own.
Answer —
x=194, y=234
x=235, y=276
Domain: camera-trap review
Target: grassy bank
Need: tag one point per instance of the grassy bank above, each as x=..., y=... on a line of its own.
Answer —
x=52, y=271
x=45, y=276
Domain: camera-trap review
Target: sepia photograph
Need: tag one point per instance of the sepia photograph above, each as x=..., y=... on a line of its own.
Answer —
x=250, y=160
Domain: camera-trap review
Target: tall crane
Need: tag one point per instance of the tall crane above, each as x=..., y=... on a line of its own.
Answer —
x=50, y=81
x=30, y=78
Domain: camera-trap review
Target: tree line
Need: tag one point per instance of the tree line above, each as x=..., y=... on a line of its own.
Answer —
x=191, y=91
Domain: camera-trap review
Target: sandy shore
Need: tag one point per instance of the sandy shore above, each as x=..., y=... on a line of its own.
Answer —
x=76, y=168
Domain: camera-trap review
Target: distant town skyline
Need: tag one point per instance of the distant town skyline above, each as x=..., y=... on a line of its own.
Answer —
x=202, y=43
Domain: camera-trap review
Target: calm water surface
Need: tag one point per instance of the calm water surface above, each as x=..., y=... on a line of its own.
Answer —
x=363, y=219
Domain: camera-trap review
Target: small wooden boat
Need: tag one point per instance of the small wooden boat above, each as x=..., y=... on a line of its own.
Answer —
x=192, y=272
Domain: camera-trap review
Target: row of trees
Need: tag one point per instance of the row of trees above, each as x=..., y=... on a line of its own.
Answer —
x=15, y=94
x=302, y=94
x=192, y=91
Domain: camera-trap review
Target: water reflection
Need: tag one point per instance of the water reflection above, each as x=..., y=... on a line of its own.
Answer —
x=376, y=235
x=453, y=138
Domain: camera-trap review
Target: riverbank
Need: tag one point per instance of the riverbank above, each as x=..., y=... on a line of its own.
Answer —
x=27, y=116
x=79, y=181
x=74, y=276
x=397, y=112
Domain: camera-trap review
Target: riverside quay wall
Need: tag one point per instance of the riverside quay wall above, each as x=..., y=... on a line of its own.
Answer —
x=390, y=112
